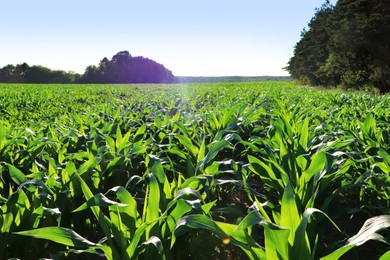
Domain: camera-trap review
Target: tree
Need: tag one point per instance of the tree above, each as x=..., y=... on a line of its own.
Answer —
x=23, y=73
x=41, y=74
x=360, y=43
x=123, y=68
x=311, y=52
x=91, y=75
x=13, y=74
x=348, y=44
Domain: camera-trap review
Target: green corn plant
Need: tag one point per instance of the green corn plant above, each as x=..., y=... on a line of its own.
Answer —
x=285, y=237
x=139, y=171
x=128, y=233
x=309, y=166
x=28, y=206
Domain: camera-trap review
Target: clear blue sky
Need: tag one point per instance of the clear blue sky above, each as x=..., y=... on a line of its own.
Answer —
x=191, y=38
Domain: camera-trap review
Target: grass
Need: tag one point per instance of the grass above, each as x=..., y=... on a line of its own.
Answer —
x=228, y=170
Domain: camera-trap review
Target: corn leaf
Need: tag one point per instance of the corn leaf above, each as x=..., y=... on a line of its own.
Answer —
x=214, y=150
x=289, y=217
x=301, y=248
x=385, y=256
x=98, y=200
x=276, y=237
x=367, y=232
x=156, y=242
x=16, y=175
x=59, y=235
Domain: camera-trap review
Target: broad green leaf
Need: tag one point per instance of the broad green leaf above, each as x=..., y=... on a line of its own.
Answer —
x=186, y=192
x=157, y=244
x=385, y=256
x=138, y=149
x=16, y=175
x=131, y=209
x=318, y=161
x=152, y=202
x=239, y=235
x=214, y=121
x=158, y=122
x=304, y=133
x=276, y=241
x=138, y=137
x=213, y=151
x=386, y=156
x=103, y=220
x=317, y=165
x=157, y=168
x=367, y=232
x=180, y=209
x=187, y=143
x=111, y=143
x=276, y=237
x=89, y=165
x=124, y=141
x=59, y=235
x=118, y=137
x=202, y=151
x=266, y=173
x=98, y=200
x=243, y=240
x=130, y=250
x=260, y=208
x=301, y=247
x=289, y=216
x=208, y=206
x=196, y=221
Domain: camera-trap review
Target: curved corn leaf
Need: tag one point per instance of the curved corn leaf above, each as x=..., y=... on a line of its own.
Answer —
x=290, y=216
x=385, y=256
x=213, y=151
x=16, y=175
x=59, y=235
x=98, y=200
x=157, y=243
x=276, y=237
x=301, y=246
x=367, y=232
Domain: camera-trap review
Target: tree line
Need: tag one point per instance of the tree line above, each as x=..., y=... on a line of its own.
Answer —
x=122, y=68
x=345, y=44
x=217, y=79
x=23, y=73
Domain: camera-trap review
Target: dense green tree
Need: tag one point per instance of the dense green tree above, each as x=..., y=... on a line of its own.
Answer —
x=311, y=52
x=92, y=74
x=41, y=74
x=348, y=44
x=23, y=73
x=123, y=68
x=13, y=74
x=360, y=43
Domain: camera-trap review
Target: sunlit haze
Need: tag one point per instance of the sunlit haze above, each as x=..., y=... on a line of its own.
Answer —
x=191, y=38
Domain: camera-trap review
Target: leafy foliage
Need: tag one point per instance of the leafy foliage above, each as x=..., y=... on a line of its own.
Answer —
x=123, y=68
x=23, y=73
x=345, y=44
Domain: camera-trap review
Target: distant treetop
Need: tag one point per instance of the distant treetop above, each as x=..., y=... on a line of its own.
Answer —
x=123, y=68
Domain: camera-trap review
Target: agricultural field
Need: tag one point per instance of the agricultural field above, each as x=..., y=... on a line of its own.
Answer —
x=266, y=170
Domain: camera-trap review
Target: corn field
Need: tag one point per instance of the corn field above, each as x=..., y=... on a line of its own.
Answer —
x=263, y=170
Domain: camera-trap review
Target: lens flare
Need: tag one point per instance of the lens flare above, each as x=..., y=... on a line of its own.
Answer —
x=226, y=240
